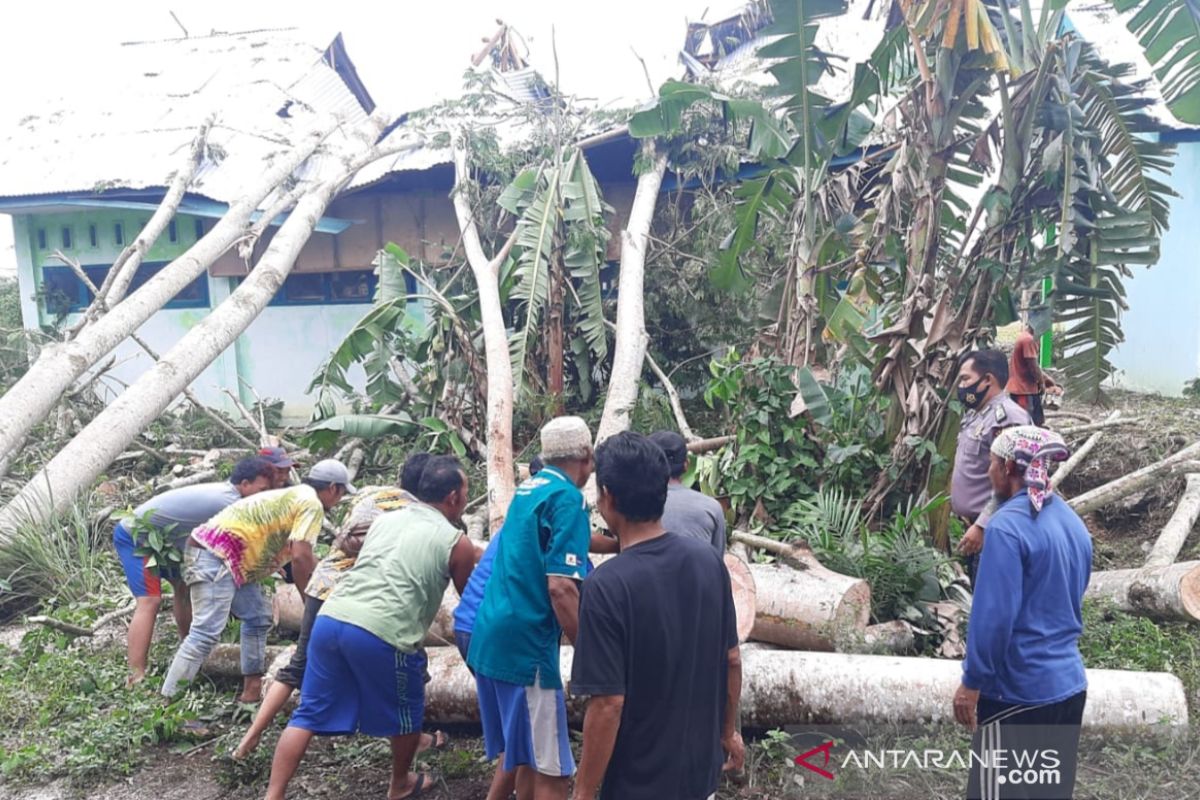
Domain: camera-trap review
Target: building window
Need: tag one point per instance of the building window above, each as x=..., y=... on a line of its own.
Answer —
x=118, y=234
x=199, y=229
x=345, y=287
x=41, y=237
x=93, y=240
x=67, y=241
x=172, y=232
x=65, y=293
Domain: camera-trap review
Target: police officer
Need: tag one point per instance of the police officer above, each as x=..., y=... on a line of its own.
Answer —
x=982, y=375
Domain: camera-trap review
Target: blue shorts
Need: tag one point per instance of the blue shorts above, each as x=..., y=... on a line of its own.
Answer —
x=143, y=581
x=526, y=723
x=355, y=682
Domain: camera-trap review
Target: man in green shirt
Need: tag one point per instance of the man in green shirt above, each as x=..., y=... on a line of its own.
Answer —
x=366, y=671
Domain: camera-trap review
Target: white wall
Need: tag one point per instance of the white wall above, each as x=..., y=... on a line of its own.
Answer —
x=1161, y=351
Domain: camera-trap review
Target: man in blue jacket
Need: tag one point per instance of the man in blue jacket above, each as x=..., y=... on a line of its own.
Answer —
x=1024, y=686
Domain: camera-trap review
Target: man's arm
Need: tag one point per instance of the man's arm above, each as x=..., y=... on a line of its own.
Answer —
x=462, y=562
x=303, y=562
x=603, y=544
x=994, y=608
x=564, y=597
x=731, y=737
x=600, y=725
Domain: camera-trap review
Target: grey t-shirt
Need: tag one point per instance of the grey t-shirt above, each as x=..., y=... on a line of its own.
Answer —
x=188, y=507
x=690, y=513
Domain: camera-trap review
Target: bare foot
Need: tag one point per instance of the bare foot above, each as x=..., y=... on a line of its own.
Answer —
x=135, y=678
x=247, y=745
x=251, y=690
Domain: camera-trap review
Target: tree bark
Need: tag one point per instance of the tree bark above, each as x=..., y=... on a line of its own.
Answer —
x=781, y=687
x=1133, y=482
x=116, y=283
x=57, y=367
x=225, y=661
x=1166, y=592
x=1112, y=422
x=92, y=450
x=1175, y=532
x=500, y=477
x=629, y=344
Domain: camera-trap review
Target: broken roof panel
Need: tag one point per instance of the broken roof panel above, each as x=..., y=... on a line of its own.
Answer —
x=128, y=122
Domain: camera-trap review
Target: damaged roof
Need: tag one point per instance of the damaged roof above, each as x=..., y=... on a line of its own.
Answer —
x=128, y=123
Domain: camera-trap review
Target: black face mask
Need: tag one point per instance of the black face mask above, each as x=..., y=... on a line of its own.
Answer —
x=972, y=396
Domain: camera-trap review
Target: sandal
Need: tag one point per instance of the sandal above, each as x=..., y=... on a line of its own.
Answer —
x=420, y=788
x=440, y=742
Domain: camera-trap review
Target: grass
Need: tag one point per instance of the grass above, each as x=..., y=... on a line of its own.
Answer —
x=65, y=712
x=65, y=561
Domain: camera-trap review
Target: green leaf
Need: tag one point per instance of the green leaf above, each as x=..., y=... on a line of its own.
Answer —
x=1169, y=32
x=813, y=397
x=534, y=243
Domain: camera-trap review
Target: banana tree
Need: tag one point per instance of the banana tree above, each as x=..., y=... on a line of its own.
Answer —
x=559, y=247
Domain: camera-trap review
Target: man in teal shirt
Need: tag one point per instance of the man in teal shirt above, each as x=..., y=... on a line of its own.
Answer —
x=531, y=599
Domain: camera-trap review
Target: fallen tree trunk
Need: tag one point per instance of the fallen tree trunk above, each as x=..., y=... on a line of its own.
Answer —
x=287, y=612
x=708, y=445
x=1161, y=592
x=55, y=487
x=1175, y=532
x=57, y=367
x=225, y=661
x=1133, y=482
x=501, y=480
x=810, y=609
x=1112, y=422
x=1079, y=455
x=781, y=687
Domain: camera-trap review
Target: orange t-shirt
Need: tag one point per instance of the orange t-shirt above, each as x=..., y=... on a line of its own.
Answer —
x=1021, y=378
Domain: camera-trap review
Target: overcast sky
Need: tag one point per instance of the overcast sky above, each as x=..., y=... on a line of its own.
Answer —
x=409, y=54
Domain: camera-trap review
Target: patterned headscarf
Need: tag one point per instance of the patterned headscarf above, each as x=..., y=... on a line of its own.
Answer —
x=1033, y=449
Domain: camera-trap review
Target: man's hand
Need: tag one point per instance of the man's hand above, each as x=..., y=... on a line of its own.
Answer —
x=972, y=541
x=965, y=703
x=1054, y=388
x=735, y=752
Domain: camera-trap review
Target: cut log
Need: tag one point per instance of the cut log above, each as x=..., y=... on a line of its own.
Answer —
x=1175, y=532
x=287, y=608
x=745, y=595
x=287, y=611
x=1133, y=482
x=810, y=609
x=781, y=687
x=708, y=445
x=892, y=637
x=1165, y=592
x=225, y=661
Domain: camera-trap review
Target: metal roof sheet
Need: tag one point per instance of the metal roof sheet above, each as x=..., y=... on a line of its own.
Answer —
x=128, y=122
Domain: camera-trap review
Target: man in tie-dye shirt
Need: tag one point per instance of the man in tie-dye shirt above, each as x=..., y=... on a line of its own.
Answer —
x=228, y=556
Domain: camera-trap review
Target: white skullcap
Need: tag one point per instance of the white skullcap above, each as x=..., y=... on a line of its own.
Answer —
x=565, y=437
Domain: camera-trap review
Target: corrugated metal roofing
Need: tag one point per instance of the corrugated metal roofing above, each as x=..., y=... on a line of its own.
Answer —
x=130, y=120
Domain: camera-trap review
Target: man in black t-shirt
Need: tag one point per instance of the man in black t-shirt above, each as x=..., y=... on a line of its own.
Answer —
x=657, y=649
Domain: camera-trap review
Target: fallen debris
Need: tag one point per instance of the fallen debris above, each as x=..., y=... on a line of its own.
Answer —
x=1133, y=482
x=1175, y=532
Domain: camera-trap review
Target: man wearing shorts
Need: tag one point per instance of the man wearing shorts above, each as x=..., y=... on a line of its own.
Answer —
x=366, y=669
x=369, y=503
x=230, y=555
x=531, y=599
x=174, y=515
